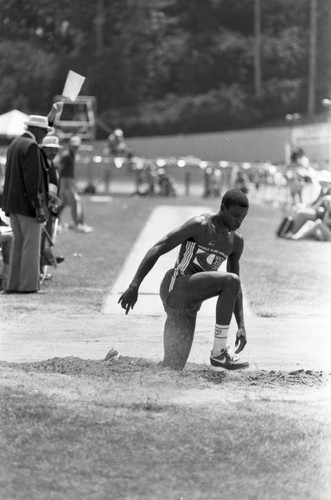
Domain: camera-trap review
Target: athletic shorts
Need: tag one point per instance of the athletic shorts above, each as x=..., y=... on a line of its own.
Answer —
x=180, y=305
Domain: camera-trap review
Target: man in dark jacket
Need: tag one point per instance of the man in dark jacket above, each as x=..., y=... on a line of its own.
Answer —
x=25, y=197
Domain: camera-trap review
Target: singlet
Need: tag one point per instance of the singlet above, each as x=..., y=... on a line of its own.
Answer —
x=195, y=257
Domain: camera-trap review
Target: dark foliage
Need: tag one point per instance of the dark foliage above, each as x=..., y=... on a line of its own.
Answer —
x=165, y=66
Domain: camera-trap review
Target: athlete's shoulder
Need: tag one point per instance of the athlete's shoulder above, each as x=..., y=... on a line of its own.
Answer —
x=238, y=237
x=199, y=220
x=195, y=227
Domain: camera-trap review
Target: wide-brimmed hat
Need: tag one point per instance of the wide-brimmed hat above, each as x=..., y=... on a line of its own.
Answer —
x=51, y=141
x=38, y=121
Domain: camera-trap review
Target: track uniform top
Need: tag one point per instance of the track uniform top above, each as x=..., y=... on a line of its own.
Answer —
x=203, y=255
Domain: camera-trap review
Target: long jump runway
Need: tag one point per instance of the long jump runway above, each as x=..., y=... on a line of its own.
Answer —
x=273, y=343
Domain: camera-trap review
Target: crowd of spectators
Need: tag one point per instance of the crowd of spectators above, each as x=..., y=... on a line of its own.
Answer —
x=151, y=180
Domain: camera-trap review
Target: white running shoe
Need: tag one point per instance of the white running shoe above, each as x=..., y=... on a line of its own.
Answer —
x=227, y=360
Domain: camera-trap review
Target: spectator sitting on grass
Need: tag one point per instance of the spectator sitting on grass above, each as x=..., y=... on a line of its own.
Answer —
x=320, y=228
x=303, y=213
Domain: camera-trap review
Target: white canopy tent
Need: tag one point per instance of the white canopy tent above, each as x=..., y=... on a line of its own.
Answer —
x=12, y=123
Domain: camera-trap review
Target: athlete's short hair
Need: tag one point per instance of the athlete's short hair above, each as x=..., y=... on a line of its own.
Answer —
x=235, y=197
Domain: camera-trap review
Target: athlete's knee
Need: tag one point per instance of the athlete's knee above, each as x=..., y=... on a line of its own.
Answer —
x=232, y=283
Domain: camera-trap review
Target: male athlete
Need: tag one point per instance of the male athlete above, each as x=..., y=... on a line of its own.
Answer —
x=206, y=241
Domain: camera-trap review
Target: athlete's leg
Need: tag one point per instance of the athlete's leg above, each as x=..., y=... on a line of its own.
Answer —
x=178, y=328
x=183, y=303
x=178, y=337
x=205, y=285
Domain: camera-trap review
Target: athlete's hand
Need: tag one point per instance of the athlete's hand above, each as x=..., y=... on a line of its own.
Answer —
x=241, y=340
x=128, y=298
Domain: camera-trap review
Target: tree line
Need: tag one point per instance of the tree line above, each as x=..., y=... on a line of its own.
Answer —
x=170, y=66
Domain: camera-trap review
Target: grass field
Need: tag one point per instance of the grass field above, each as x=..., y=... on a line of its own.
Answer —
x=86, y=429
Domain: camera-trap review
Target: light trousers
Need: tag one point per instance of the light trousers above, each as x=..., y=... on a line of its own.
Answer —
x=24, y=270
x=71, y=198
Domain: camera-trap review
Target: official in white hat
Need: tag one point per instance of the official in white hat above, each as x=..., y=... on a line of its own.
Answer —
x=38, y=121
x=51, y=146
x=51, y=142
x=25, y=197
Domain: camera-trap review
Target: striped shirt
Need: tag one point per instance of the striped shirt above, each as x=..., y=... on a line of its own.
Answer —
x=195, y=257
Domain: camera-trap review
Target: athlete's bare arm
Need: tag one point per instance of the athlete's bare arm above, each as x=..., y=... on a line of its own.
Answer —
x=193, y=228
x=233, y=266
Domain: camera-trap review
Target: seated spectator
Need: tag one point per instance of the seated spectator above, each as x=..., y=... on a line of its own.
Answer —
x=301, y=214
x=317, y=229
x=167, y=184
x=320, y=228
